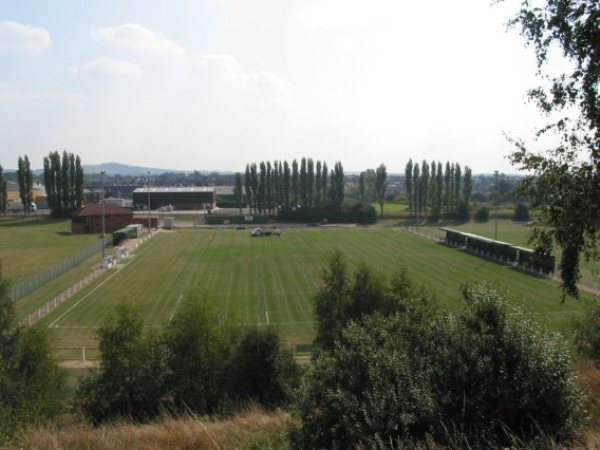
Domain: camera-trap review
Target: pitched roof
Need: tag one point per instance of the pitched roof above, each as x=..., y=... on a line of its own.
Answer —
x=95, y=209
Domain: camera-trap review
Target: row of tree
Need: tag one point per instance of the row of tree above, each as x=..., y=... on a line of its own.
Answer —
x=63, y=179
x=267, y=187
x=372, y=184
x=436, y=191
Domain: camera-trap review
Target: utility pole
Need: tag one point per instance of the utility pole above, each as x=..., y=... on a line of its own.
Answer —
x=103, y=219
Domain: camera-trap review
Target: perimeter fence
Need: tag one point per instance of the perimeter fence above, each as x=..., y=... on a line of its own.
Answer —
x=35, y=281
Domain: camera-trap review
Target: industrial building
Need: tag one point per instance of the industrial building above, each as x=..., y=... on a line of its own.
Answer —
x=180, y=198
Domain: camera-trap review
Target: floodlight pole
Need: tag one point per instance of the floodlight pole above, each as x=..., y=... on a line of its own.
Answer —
x=103, y=218
x=149, y=228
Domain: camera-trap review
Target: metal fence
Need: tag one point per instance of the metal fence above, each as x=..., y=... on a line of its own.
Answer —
x=35, y=281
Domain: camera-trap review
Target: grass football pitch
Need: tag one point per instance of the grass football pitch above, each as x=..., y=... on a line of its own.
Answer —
x=29, y=245
x=272, y=279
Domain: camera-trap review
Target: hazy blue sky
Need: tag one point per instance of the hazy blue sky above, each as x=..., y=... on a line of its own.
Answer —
x=211, y=85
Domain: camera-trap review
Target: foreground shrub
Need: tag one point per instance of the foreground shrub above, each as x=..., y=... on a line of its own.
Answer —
x=32, y=386
x=482, y=215
x=131, y=381
x=198, y=348
x=262, y=370
x=521, y=213
x=587, y=335
x=343, y=297
x=482, y=375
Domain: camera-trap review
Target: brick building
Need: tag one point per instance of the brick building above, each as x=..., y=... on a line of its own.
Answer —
x=89, y=218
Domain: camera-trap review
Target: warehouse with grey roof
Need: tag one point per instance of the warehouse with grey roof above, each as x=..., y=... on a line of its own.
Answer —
x=180, y=198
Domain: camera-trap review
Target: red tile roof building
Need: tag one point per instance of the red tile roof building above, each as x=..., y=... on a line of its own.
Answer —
x=89, y=218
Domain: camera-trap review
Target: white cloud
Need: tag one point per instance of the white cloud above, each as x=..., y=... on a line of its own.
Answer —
x=135, y=38
x=109, y=66
x=261, y=88
x=23, y=97
x=343, y=16
x=229, y=68
x=22, y=38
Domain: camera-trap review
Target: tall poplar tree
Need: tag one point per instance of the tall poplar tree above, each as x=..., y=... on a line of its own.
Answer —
x=467, y=186
x=254, y=185
x=447, y=189
x=269, y=187
x=247, y=184
x=361, y=186
x=324, y=184
x=3, y=192
x=310, y=182
x=318, y=184
x=337, y=185
x=78, y=186
x=286, y=185
x=424, y=182
x=457, y=185
x=295, y=187
x=65, y=179
x=381, y=186
x=416, y=188
x=25, y=179
x=408, y=186
x=238, y=191
x=303, y=182
x=262, y=181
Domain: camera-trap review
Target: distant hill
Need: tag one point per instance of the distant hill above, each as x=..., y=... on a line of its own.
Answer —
x=113, y=168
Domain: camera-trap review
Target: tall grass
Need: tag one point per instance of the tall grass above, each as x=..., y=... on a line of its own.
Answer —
x=252, y=428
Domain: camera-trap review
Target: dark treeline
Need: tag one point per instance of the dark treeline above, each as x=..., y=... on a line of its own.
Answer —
x=436, y=190
x=63, y=180
x=280, y=186
x=301, y=191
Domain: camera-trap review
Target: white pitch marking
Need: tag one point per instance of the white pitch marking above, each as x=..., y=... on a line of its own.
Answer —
x=176, y=305
x=83, y=298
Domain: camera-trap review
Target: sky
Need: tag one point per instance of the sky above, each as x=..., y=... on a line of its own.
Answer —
x=215, y=84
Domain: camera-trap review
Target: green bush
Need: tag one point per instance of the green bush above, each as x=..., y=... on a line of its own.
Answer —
x=32, y=386
x=343, y=297
x=198, y=348
x=131, y=381
x=587, y=336
x=482, y=214
x=482, y=376
x=349, y=212
x=261, y=370
x=521, y=213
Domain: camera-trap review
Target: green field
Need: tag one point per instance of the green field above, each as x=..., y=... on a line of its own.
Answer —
x=250, y=278
x=31, y=245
